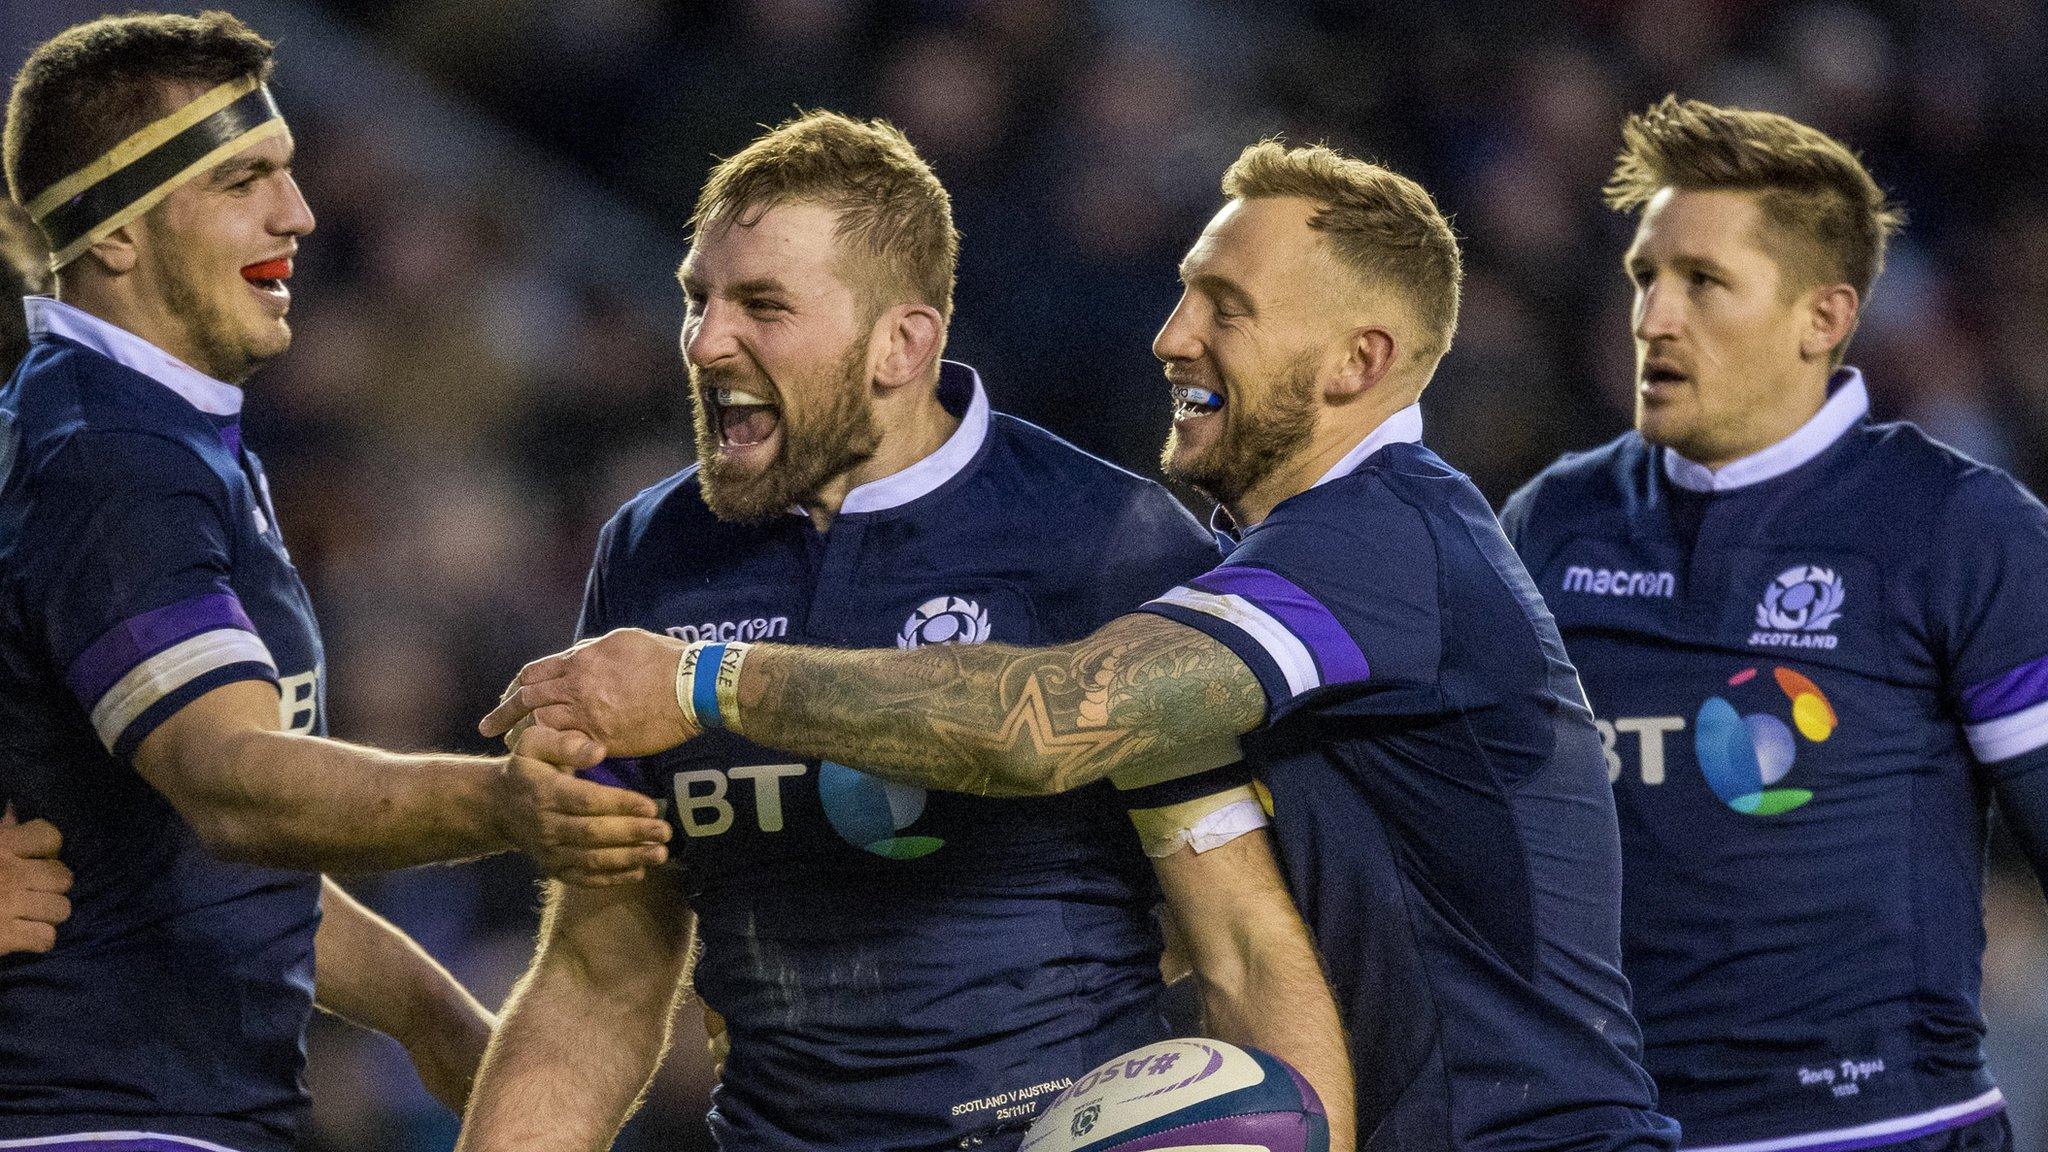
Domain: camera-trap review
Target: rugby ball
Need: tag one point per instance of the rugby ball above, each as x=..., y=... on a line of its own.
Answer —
x=1185, y=1096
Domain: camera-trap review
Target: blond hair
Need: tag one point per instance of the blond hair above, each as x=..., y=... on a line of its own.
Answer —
x=893, y=212
x=1815, y=194
x=1382, y=226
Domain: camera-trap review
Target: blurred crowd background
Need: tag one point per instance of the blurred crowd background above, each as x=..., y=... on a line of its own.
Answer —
x=486, y=360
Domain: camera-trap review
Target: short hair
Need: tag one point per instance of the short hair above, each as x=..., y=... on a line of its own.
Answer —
x=1815, y=194
x=1382, y=227
x=24, y=271
x=94, y=85
x=892, y=209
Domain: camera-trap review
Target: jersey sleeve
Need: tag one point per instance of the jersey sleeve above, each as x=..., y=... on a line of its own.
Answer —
x=1991, y=606
x=1321, y=611
x=128, y=549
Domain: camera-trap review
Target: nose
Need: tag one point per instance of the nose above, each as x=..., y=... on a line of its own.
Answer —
x=1660, y=311
x=1178, y=338
x=707, y=334
x=295, y=216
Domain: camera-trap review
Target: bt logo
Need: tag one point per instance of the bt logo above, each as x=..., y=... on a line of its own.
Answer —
x=1742, y=756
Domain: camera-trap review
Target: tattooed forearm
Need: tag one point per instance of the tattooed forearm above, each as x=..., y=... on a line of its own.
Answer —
x=994, y=720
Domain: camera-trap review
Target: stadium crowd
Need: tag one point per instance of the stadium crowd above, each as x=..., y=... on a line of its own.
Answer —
x=459, y=414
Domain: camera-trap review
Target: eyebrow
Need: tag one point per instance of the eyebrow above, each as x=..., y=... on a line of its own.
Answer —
x=234, y=168
x=1215, y=284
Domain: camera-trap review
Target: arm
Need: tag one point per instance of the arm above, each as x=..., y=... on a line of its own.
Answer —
x=587, y=1026
x=1261, y=983
x=32, y=885
x=257, y=793
x=372, y=975
x=2021, y=785
x=1142, y=695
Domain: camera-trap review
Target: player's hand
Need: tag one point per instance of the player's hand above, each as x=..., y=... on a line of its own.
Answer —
x=32, y=885
x=579, y=832
x=619, y=689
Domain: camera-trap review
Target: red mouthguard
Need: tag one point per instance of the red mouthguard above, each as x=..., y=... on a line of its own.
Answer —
x=269, y=270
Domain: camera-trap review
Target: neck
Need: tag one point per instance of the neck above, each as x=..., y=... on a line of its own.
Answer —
x=909, y=435
x=148, y=317
x=1803, y=396
x=1338, y=430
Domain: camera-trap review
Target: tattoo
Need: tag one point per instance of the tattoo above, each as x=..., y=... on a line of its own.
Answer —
x=1143, y=694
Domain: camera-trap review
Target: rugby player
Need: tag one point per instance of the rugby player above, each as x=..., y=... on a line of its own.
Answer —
x=1438, y=793
x=160, y=670
x=33, y=880
x=895, y=970
x=1818, y=648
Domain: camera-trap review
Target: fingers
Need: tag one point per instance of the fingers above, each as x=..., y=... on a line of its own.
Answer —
x=521, y=696
x=566, y=795
x=572, y=750
x=41, y=907
x=47, y=876
x=36, y=840
x=26, y=936
x=602, y=867
x=607, y=832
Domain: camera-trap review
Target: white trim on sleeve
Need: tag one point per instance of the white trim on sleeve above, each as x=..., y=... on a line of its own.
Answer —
x=2010, y=735
x=1286, y=649
x=170, y=670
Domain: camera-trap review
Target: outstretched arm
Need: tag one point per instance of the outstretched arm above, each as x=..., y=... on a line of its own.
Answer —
x=372, y=975
x=256, y=793
x=1143, y=696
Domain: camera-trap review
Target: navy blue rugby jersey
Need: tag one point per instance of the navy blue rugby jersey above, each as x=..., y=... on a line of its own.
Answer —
x=140, y=567
x=897, y=969
x=1811, y=670
x=1440, y=807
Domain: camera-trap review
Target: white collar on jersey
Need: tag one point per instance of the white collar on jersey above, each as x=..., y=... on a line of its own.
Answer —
x=1403, y=427
x=1847, y=404
x=925, y=476
x=48, y=315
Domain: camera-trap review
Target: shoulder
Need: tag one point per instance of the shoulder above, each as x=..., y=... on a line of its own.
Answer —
x=670, y=509
x=1029, y=463
x=1591, y=480
x=90, y=463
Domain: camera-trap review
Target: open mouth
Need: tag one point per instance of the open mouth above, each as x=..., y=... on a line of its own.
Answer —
x=1190, y=402
x=268, y=277
x=1657, y=375
x=744, y=418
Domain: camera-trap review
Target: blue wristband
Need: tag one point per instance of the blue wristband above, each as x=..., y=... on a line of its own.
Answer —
x=704, y=686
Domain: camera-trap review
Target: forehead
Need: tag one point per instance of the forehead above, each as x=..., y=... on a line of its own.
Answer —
x=1708, y=222
x=1251, y=241
x=791, y=242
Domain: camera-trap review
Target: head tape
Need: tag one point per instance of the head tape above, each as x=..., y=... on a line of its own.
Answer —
x=135, y=175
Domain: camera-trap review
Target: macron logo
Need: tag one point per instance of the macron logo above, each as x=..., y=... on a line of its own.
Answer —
x=1619, y=582
x=758, y=628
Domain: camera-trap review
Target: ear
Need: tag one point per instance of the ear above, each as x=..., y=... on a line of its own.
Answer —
x=1368, y=358
x=906, y=340
x=1830, y=317
x=115, y=253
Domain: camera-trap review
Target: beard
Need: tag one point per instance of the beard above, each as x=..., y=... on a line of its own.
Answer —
x=219, y=345
x=1255, y=437
x=815, y=448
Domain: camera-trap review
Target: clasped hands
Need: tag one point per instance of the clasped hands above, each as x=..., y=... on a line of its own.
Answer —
x=609, y=696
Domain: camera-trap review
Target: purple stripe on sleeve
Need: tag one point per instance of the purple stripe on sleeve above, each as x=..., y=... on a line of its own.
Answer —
x=1893, y=1139
x=2023, y=687
x=129, y=643
x=1337, y=654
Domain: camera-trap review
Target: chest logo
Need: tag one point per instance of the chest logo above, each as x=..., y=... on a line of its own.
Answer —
x=1799, y=608
x=1745, y=755
x=1619, y=582
x=944, y=620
